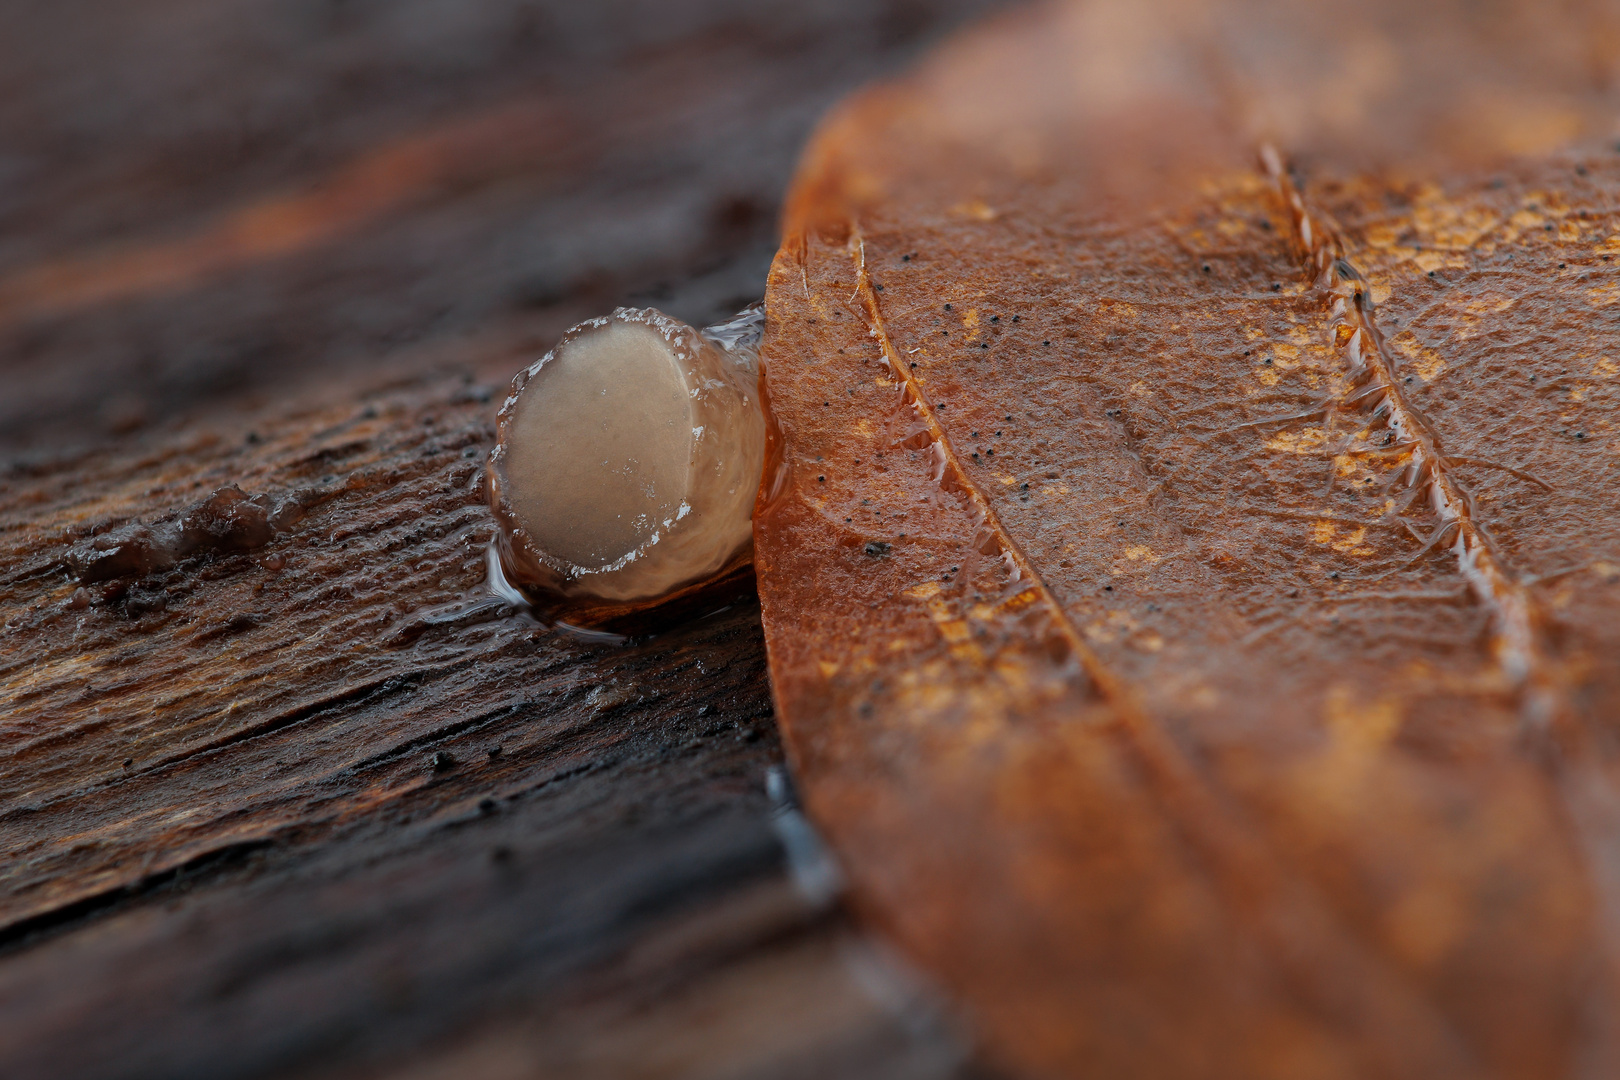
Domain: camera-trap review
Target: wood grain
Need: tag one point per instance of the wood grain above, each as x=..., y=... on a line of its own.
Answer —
x=300, y=799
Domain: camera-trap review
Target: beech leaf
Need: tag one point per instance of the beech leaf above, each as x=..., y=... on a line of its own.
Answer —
x=1191, y=565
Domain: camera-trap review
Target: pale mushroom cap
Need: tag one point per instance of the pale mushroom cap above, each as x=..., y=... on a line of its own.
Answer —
x=605, y=436
x=629, y=459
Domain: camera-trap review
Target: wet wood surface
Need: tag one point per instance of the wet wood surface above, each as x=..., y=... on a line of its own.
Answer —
x=293, y=796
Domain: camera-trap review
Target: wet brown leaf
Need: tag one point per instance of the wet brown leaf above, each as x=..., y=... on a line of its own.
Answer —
x=1191, y=585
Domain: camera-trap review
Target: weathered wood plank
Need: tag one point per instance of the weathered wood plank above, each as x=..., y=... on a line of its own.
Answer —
x=251, y=819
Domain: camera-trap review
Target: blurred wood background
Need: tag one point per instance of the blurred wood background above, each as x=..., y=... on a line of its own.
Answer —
x=298, y=806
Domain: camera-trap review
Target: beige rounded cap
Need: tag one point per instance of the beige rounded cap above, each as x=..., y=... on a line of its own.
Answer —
x=629, y=458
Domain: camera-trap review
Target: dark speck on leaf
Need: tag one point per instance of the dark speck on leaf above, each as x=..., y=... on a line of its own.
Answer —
x=442, y=760
x=877, y=548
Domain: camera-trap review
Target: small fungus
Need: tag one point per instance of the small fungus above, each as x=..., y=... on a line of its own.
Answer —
x=628, y=463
